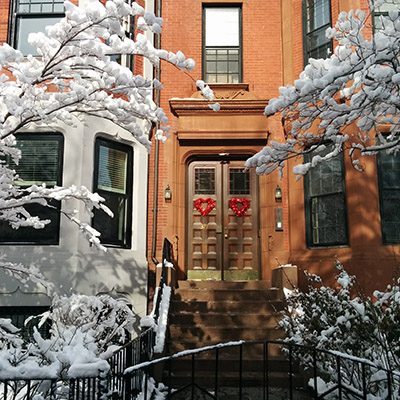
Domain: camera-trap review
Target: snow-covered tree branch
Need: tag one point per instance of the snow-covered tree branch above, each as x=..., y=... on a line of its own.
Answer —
x=75, y=77
x=346, y=100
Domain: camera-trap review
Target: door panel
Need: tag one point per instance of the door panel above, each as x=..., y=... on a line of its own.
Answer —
x=221, y=244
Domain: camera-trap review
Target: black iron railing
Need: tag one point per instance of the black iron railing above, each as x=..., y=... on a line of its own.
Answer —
x=110, y=384
x=257, y=370
x=55, y=389
x=139, y=350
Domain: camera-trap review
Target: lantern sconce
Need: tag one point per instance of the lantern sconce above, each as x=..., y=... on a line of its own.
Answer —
x=278, y=194
x=167, y=194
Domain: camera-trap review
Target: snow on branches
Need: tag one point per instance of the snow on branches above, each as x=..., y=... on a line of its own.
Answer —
x=74, y=78
x=357, y=86
x=83, y=332
x=349, y=323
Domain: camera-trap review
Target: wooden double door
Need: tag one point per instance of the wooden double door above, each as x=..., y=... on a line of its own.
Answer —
x=223, y=232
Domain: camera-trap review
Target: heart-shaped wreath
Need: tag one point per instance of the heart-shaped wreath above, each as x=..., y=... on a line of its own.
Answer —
x=198, y=203
x=233, y=204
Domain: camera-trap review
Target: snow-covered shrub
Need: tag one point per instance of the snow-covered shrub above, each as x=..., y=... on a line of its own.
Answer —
x=84, y=332
x=351, y=325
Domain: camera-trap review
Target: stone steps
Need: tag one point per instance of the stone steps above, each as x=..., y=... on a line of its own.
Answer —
x=205, y=313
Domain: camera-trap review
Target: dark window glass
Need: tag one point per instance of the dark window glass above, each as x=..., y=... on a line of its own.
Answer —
x=113, y=181
x=18, y=316
x=239, y=181
x=316, y=19
x=204, y=181
x=222, y=45
x=389, y=190
x=41, y=162
x=32, y=16
x=325, y=197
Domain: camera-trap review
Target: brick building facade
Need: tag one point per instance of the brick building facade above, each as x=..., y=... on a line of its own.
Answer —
x=273, y=40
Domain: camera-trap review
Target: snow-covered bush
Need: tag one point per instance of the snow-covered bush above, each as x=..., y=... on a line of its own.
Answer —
x=349, y=324
x=84, y=331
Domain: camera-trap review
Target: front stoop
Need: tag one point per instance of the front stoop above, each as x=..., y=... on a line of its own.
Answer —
x=204, y=313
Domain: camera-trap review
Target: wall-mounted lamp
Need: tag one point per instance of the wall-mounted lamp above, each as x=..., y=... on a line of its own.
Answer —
x=278, y=193
x=167, y=193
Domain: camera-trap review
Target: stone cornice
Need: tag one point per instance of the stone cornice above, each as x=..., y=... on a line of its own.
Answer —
x=233, y=98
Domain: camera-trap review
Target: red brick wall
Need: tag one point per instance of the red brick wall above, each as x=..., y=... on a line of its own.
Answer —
x=262, y=70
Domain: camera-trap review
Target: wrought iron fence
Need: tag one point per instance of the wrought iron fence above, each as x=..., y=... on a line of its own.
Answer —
x=243, y=370
x=55, y=389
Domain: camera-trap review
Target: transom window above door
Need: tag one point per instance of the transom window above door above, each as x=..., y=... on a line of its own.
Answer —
x=222, y=50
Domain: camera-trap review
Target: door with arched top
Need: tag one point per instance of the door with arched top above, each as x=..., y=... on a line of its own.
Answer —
x=222, y=216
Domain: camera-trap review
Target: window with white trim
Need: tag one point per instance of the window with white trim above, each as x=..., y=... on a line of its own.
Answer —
x=222, y=49
x=113, y=181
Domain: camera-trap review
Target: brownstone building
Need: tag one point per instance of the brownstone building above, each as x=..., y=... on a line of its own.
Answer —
x=226, y=222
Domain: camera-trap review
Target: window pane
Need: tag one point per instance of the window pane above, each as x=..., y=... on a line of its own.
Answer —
x=328, y=220
x=41, y=162
x=390, y=214
x=40, y=6
x=317, y=20
x=204, y=181
x=27, y=25
x=221, y=70
x=389, y=188
x=222, y=26
x=112, y=170
x=318, y=14
x=326, y=203
x=113, y=230
x=239, y=181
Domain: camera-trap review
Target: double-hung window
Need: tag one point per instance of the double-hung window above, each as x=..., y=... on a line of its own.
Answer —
x=316, y=19
x=32, y=16
x=389, y=193
x=325, y=203
x=113, y=181
x=41, y=162
x=222, y=50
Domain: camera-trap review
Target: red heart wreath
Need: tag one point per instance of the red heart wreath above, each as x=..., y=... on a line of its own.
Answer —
x=199, y=205
x=233, y=204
